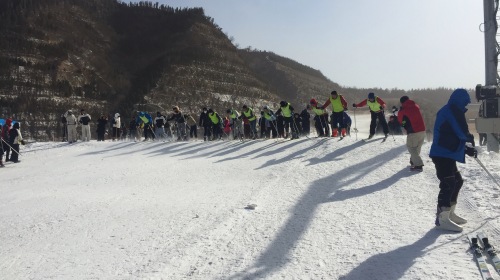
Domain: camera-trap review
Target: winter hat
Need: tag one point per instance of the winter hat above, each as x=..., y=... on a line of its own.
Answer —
x=313, y=102
x=245, y=106
x=334, y=92
x=283, y=103
x=117, y=115
x=403, y=99
x=16, y=125
x=70, y=112
x=204, y=109
x=228, y=111
x=210, y=110
x=8, y=121
x=371, y=95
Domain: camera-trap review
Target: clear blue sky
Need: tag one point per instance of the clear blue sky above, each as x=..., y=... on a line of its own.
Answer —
x=363, y=43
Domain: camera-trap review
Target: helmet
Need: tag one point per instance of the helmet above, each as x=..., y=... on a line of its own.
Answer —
x=403, y=99
x=371, y=95
x=334, y=92
x=283, y=103
x=313, y=102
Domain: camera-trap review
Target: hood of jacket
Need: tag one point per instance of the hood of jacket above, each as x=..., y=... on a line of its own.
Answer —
x=459, y=98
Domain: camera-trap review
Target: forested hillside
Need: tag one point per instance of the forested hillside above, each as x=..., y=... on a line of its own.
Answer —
x=107, y=56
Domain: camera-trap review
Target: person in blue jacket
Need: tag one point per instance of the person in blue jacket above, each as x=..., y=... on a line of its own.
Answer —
x=147, y=121
x=448, y=146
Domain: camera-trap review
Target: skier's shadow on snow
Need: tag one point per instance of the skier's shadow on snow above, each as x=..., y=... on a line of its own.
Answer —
x=338, y=152
x=295, y=155
x=393, y=264
x=319, y=192
x=119, y=146
x=341, y=195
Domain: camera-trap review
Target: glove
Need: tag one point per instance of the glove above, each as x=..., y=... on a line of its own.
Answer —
x=470, y=139
x=354, y=105
x=471, y=151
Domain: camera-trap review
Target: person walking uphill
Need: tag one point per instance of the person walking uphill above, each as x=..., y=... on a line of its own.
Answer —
x=412, y=121
x=376, y=105
x=448, y=146
x=339, y=105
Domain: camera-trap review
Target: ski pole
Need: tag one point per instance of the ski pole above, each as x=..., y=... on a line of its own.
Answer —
x=355, y=126
x=10, y=147
x=487, y=172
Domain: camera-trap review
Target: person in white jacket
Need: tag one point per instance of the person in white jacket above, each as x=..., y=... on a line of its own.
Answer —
x=116, y=126
x=84, y=120
x=15, y=140
x=71, y=122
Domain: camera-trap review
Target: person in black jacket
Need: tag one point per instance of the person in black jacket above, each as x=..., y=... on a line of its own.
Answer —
x=178, y=117
x=305, y=116
x=206, y=124
x=101, y=127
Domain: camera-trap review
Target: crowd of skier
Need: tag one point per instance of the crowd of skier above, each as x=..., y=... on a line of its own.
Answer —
x=448, y=147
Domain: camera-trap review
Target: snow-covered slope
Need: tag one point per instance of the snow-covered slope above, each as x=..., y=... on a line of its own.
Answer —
x=152, y=210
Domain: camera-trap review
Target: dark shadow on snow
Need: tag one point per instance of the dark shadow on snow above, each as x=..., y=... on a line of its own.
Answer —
x=276, y=255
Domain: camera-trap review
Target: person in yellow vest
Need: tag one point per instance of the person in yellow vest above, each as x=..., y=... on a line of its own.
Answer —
x=216, y=124
x=339, y=105
x=320, y=120
x=270, y=123
x=376, y=105
x=235, y=123
x=287, y=111
x=252, y=119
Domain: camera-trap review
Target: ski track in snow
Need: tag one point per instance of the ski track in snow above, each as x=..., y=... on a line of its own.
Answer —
x=176, y=210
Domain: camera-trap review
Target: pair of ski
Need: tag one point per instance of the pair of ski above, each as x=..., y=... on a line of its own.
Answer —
x=480, y=244
x=373, y=139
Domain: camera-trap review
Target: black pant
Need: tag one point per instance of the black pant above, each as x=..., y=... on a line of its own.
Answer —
x=15, y=153
x=338, y=120
x=322, y=126
x=6, y=149
x=381, y=119
x=193, y=131
x=450, y=181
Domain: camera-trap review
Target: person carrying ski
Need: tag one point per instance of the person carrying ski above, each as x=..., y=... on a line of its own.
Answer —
x=252, y=119
x=178, y=117
x=287, y=111
x=412, y=121
x=216, y=121
x=321, y=119
x=339, y=105
x=84, y=120
x=71, y=122
x=376, y=105
x=448, y=146
x=204, y=121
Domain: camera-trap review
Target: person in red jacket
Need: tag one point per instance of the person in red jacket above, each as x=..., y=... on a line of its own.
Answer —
x=411, y=120
x=377, y=106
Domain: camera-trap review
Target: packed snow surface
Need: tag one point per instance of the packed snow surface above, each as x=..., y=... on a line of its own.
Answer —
x=323, y=209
